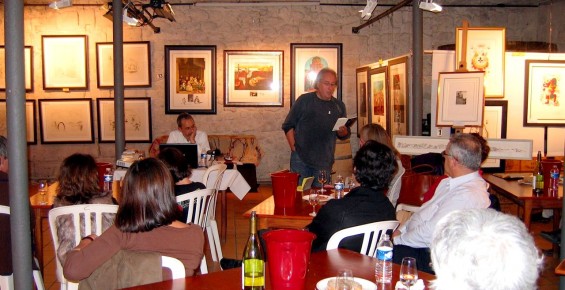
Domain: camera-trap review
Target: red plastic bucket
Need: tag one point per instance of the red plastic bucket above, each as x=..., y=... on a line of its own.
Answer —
x=284, y=188
x=101, y=170
x=288, y=254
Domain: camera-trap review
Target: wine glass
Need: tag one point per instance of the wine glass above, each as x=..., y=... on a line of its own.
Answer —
x=351, y=184
x=313, y=199
x=344, y=279
x=408, y=272
x=42, y=190
x=322, y=178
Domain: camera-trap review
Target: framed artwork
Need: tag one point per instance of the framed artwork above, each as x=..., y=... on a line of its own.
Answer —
x=307, y=59
x=484, y=52
x=543, y=102
x=28, y=58
x=137, y=120
x=416, y=145
x=137, y=64
x=398, y=88
x=253, y=78
x=379, y=97
x=66, y=121
x=460, y=99
x=362, y=98
x=190, y=79
x=31, y=128
x=65, y=62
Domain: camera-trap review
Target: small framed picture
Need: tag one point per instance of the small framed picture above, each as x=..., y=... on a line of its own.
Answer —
x=460, y=99
x=398, y=88
x=31, y=128
x=28, y=55
x=137, y=64
x=137, y=120
x=543, y=101
x=66, y=121
x=379, y=97
x=362, y=98
x=65, y=62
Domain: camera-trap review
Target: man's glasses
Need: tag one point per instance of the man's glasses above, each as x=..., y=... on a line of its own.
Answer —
x=445, y=154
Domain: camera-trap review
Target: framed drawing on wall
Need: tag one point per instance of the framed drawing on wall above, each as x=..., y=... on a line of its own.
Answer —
x=362, y=98
x=379, y=97
x=306, y=60
x=28, y=58
x=398, y=90
x=484, y=52
x=190, y=79
x=137, y=64
x=65, y=62
x=253, y=78
x=543, y=100
x=31, y=128
x=66, y=121
x=460, y=99
x=137, y=120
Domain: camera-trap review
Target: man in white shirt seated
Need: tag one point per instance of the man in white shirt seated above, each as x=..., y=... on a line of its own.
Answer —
x=188, y=133
x=463, y=189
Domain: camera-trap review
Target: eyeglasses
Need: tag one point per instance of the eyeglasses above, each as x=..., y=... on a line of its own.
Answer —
x=328, y=84
x=444, y=154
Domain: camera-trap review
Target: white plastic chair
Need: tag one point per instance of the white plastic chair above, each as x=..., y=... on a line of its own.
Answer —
x=7, y=282
x=211, y=223
x=176, y=266
x=76, y=210
x=371, y=232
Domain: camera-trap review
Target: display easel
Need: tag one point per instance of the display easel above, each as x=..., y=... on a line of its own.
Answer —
x=462, y=66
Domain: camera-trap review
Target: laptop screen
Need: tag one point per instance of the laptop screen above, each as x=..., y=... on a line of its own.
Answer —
x=190, y=152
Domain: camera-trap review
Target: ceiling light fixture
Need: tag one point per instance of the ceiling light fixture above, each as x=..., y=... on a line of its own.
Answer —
x=429, y=5
x=60, y=4
x=161, y=9
x=368, y=10
x=132, y=16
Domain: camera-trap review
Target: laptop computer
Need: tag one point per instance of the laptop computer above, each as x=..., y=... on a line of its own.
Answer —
x=190, y=152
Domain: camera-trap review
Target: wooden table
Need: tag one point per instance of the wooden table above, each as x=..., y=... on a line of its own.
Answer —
x=322, y=265
x=268, y=216
x=560, y=270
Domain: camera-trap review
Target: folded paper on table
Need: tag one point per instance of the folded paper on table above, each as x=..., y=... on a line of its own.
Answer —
x=418, y=286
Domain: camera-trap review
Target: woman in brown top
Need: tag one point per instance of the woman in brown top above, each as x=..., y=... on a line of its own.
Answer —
x=146, y=221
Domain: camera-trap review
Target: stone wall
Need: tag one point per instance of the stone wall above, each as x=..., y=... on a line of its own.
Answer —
x=256, y=28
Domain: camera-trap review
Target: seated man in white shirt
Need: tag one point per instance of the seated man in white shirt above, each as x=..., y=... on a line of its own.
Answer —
x=188, y=133
x=463, y=189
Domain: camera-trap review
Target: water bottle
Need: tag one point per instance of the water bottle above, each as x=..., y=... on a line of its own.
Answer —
x=202, y=159
x=383, y=267
x=108, y=179
x=554, y=181
x=338, y=186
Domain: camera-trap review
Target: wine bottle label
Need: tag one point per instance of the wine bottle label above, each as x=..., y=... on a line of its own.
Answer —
x=253, y=272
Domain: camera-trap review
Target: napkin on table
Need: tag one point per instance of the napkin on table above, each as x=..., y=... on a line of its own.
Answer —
x=418, y=286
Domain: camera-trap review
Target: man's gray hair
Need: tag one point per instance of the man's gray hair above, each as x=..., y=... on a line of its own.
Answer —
x=321, y=74
x=466, y=149
x=3, y=147
x=484, y=249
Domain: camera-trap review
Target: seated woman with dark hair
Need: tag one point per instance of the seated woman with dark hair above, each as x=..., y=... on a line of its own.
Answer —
x=146, y=221
x=180, y=170
x=374, y=166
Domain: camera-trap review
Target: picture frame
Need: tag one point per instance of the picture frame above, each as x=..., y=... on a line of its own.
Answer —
x=28, y=58
x=379, y=97
x=545, y=79
x=460, y=99
x=398, y=91
x=137, y=64
x=137, y=120
x=31, y=128
x=253, y=78
x=306, y=59
x=485, y=51
x=66, y=121
x=65, y=62
x=362, y=76
x=190, y=79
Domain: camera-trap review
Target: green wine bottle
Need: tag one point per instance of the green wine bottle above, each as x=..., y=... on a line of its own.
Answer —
x=538, y=181
x=253, y=268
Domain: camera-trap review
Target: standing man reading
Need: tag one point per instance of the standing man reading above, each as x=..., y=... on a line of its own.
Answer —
x=308, y=127
x=188, y=133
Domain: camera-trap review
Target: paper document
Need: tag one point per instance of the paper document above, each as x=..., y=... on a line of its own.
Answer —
x=348, y=122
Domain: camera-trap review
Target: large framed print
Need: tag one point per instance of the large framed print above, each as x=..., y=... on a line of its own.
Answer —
x=484, y=52
x=28, y=59
x=460, y=99
x=137, y=64
x=543, y=102
x=306, y=60
x=379, y=97
x=398, y=88
x=190, y=79
x=362, y=98
x=31, y=128
x=66, y=121
x=65, y=62
x=253, y=78
x=137, y=120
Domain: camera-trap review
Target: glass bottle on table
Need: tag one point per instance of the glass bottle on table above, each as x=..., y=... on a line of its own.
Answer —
x=253, y=266
x=537, y=180
x=554, y=181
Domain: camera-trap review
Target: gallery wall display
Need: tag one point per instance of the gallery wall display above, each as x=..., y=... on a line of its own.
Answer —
x=398, y=91
x=137, y=64
x=31, y=128
x=484, y=52
x=460, y=99
x=137, y=118
x=28, y=59
x=379, y=97
x=306, y=60
x=253, y=78
x=65, y=61
x=66, y=121
x=362, y=98
x=543, y=101
x=190, y=79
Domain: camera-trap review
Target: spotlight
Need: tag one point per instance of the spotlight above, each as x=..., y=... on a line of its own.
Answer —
x=161, y=9
x=366, y=13
x=429, y=5
x=131, y=21
x=61, y=4
x=131, y=15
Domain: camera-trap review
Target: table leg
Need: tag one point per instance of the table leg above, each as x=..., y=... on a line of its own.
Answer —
x=556, y=220
x=224, y=221
x=527, y=214
x=38, y=229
